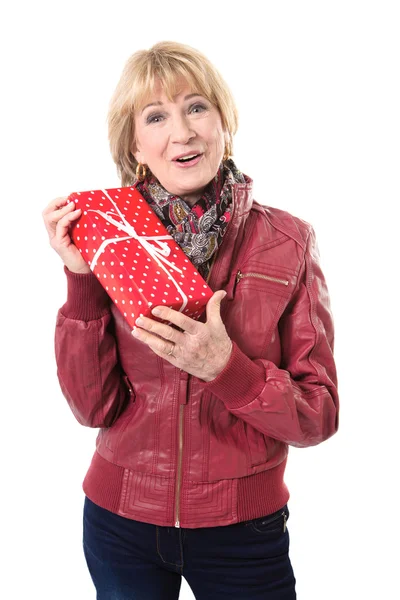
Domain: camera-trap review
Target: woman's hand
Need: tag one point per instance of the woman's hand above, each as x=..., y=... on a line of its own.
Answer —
x=201, y=349
x=58, y=217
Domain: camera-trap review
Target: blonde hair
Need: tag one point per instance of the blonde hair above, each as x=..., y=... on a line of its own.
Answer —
x=168, y=62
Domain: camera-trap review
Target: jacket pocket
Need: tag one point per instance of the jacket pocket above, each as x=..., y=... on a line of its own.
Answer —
x=256, y=301
x=259, y=446
x=111, y=435
x=263, y=276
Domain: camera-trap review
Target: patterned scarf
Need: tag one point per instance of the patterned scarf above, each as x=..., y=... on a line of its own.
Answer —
x=197, y=229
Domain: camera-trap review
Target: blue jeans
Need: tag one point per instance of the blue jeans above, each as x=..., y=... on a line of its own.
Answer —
x=130, y=560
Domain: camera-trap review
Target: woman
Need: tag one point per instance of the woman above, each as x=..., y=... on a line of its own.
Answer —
x=195, y=417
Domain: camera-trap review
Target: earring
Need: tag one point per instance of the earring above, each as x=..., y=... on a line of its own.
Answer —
x=228, y=151
x=141, y=172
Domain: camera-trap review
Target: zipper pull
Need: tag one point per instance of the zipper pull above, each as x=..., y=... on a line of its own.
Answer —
x=238, y=276
x=284, y=522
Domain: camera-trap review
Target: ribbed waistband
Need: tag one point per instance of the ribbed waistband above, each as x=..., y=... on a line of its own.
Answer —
x=150, y=498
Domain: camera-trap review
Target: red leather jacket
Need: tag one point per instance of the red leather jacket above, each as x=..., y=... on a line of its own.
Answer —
x=175, y=450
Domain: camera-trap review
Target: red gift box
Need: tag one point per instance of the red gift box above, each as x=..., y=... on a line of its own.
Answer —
x=135, y=259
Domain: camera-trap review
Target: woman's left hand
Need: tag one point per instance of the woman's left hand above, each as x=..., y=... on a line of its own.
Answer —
x=201, y=349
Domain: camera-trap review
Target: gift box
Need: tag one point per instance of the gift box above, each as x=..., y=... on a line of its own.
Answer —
x=135, y=259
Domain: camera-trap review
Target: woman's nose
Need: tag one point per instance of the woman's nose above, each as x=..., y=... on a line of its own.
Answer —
x=181, y=131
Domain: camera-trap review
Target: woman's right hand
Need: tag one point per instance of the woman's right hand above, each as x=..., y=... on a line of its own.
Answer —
x=58, y=217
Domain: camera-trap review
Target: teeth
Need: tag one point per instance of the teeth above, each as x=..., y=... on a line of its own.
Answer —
x=187, y=157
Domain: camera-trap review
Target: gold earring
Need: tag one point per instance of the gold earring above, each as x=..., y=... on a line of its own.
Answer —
x=141, y=172
x=228, y=151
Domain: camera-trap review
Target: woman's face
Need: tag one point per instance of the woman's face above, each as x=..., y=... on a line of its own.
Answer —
x=167, y=132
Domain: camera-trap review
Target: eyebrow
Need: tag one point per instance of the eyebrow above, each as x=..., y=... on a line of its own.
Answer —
x=158, y=103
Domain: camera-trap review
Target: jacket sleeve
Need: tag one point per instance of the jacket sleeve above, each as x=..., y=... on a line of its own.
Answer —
x=296, y=403
x=88, y=369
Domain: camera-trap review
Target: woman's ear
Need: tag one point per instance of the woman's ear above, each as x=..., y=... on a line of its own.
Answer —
x=137, y=153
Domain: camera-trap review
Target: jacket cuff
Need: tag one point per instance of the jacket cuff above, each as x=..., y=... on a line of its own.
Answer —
x=87, y=300
x=240, y=382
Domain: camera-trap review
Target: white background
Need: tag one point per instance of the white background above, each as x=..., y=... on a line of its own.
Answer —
x=317, y=87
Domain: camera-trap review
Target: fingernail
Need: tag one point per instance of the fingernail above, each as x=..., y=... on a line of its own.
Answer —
x=156, y=312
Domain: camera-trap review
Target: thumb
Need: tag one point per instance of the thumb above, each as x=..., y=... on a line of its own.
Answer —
x=214, y=306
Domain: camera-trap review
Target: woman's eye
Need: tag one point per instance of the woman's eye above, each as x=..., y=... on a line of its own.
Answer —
x=154, y=118
x=198, y=108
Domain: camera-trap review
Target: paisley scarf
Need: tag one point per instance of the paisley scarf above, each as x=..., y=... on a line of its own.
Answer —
x=197, y=229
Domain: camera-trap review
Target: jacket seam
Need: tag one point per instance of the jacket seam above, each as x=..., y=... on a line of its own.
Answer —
x=98, y=376
x=267, y=246
x=312, y=309
x=302, y=244
x=157, y=417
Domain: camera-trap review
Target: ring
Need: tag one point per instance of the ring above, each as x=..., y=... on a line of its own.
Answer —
x=171, y=351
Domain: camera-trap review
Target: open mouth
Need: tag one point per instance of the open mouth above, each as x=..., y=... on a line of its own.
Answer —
x=191, y=158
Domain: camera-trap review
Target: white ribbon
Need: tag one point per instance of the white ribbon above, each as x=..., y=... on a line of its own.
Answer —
x=153, y=245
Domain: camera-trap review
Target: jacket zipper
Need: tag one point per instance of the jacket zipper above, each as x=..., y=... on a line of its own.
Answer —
x=183, y=394
x=240, y=275
x=183, y=397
